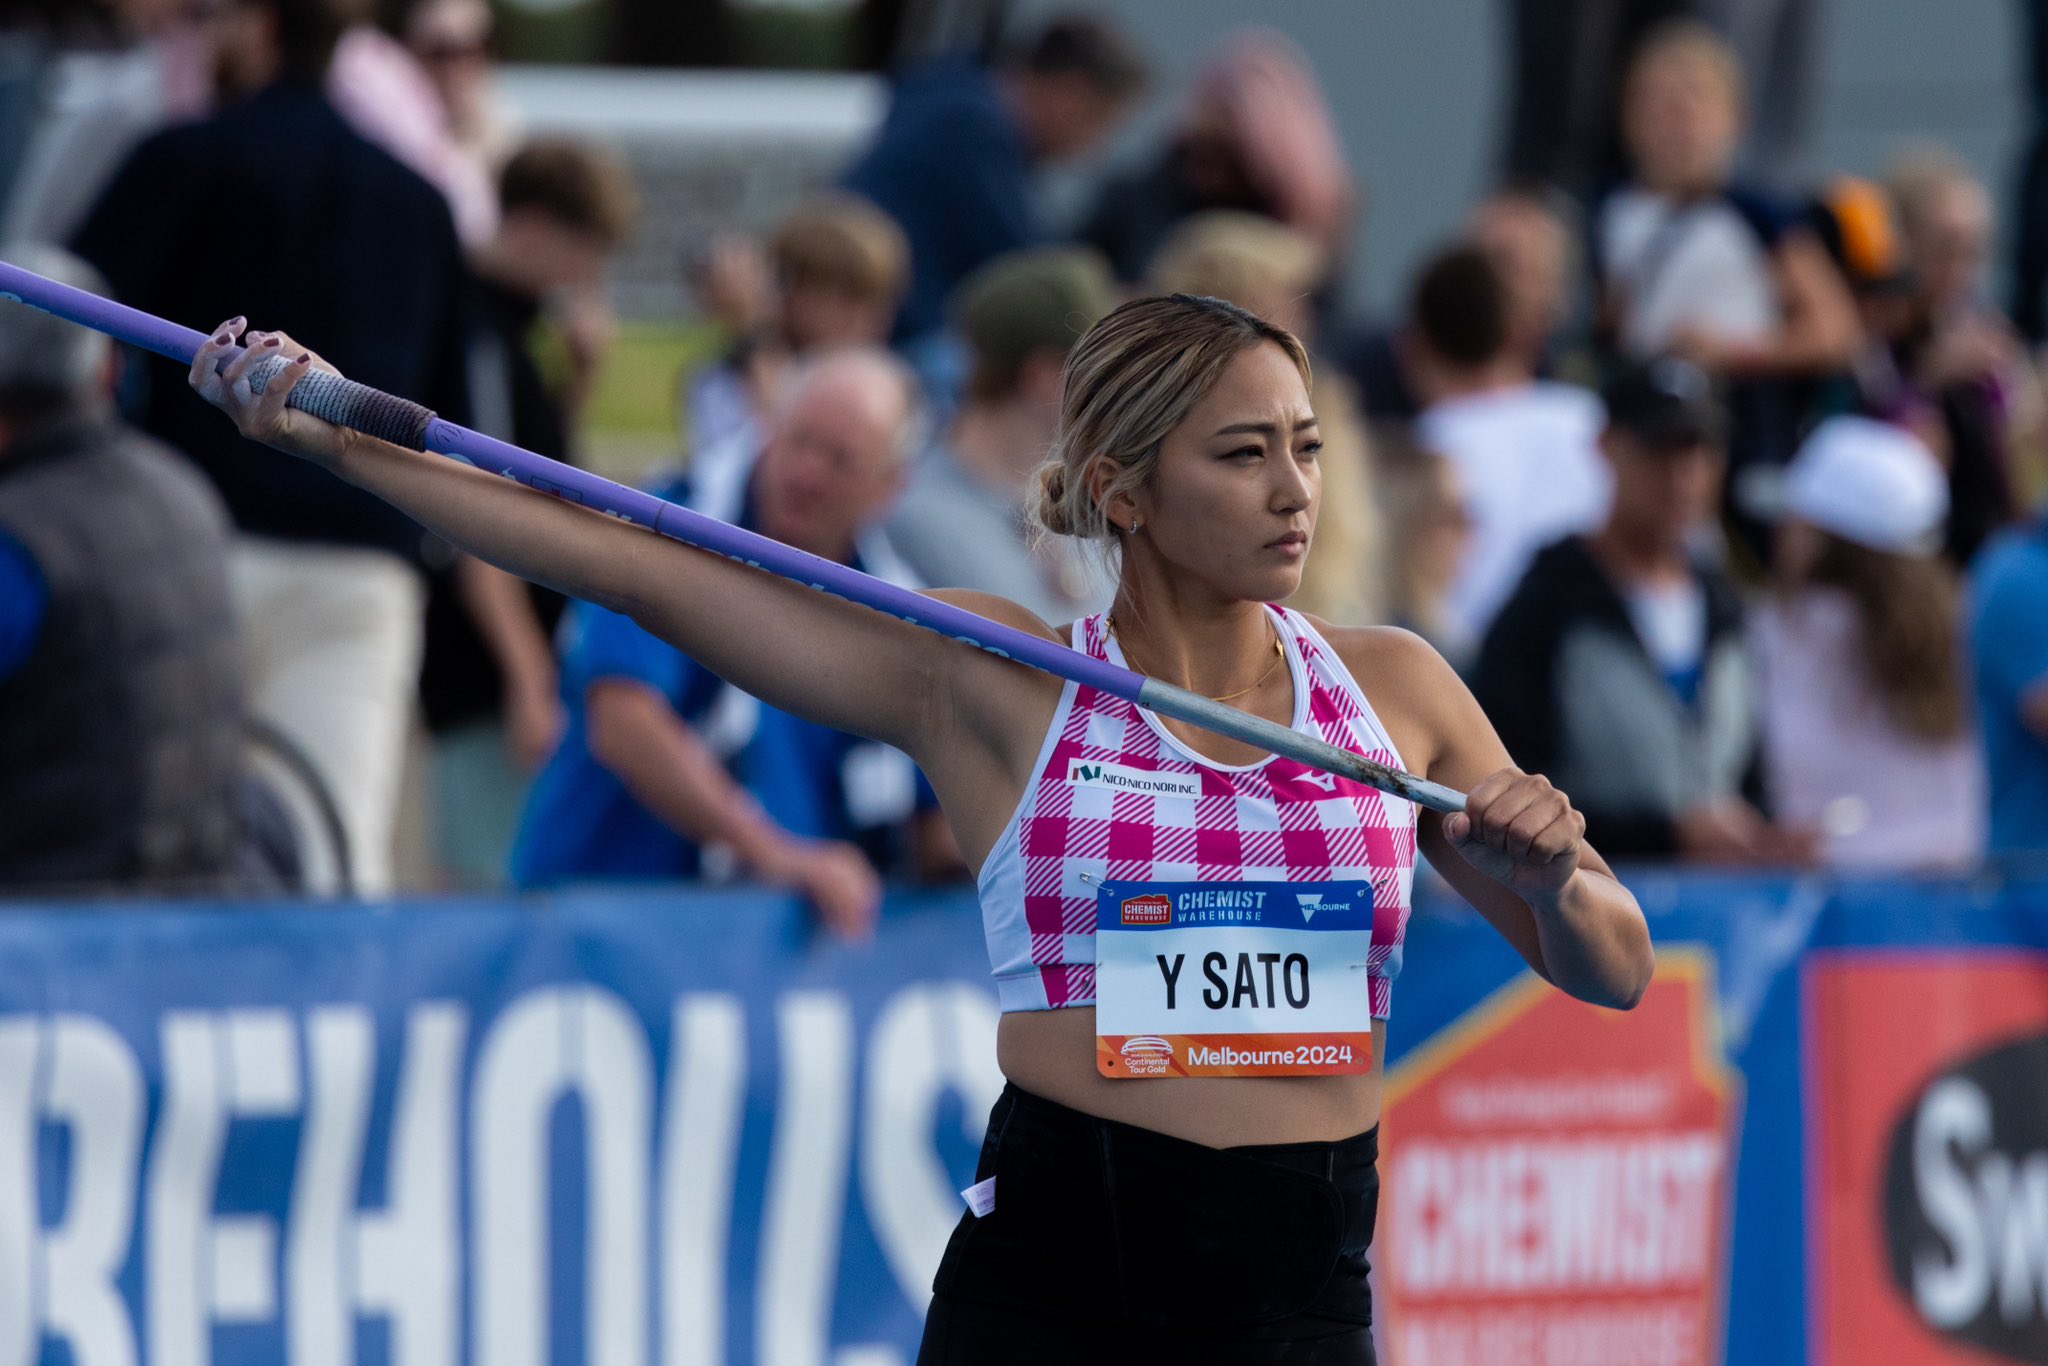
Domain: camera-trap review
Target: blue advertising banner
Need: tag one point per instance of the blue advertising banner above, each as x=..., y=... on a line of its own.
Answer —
x=678, y=1127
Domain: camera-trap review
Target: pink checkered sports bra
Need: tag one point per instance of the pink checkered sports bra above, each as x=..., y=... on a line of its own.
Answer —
x=1115, y=796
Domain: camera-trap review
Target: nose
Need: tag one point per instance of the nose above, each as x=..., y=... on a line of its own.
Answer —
x=1294, y=485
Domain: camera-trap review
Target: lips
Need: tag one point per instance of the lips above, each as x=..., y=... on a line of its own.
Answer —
x=1292, y=540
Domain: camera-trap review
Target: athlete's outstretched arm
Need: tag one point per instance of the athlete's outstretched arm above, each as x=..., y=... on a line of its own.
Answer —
x=1518, y=852
x=835, y=662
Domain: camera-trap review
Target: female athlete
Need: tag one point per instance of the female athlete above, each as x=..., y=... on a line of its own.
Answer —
x=1194, y=943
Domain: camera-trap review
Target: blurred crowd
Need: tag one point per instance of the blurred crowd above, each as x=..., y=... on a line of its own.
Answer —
x=1724, y=495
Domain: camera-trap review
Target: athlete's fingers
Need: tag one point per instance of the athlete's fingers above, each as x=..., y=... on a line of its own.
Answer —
x=1509, y=819
x=1470, y=826
x=206, y=361
x=288, y=345
x=260, y=417
x=1501, y=797
x=268, y=412
x=1562, y=839
x=259, y=348
x=1536, y=834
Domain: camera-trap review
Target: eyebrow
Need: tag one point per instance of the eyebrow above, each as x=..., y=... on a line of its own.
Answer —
x=1263, y=428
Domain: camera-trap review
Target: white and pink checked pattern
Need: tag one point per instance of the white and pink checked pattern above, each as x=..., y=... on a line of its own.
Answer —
x=1276, y=821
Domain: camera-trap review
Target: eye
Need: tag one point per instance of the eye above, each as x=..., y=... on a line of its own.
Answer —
x=1245, y=453
x=1310, y=451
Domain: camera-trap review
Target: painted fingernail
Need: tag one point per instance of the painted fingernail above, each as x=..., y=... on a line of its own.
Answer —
x=305, y=358
x=270, y=341
x=237, y=321
x=222, y=340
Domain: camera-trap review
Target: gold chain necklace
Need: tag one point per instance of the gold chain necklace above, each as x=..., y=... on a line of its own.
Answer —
x=1279, y=655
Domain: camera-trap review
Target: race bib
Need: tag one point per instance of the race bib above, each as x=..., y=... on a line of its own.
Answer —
x=1232, y=979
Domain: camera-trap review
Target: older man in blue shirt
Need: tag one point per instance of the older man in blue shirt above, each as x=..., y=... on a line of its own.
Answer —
x=666, y=772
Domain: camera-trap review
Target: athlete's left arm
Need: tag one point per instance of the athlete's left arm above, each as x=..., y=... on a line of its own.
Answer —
x=1519, y=852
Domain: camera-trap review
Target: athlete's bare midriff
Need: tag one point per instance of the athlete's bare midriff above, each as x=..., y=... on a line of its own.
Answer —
x=1051, y=1053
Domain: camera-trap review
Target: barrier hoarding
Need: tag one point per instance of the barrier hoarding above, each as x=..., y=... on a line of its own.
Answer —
x=1557, y=1181
x=665, y=1127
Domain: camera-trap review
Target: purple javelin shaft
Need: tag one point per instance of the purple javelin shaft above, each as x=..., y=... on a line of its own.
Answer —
x=152, y=333
x=581, y=486
x=366, y=409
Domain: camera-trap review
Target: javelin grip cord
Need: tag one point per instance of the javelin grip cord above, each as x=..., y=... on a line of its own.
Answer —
x=347, y=403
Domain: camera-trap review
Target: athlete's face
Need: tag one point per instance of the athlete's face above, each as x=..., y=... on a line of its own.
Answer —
x=1234, y=501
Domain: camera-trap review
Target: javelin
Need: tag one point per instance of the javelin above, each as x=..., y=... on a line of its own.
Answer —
x=346, y=403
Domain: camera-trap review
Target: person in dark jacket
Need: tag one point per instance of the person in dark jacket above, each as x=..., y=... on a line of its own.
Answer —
x=121, y=744
x=1618, y=667
x=488, y=682
x=275, y=205
x=954, y=158
x=1255, y=137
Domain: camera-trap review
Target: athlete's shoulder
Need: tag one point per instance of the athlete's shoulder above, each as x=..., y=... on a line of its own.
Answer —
x=1413, y=688
x=1390, y=654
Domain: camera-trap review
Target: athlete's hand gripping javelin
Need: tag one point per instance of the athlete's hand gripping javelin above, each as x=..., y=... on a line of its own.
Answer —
x=264, y=417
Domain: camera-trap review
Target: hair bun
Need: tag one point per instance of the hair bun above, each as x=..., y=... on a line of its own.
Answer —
x=1052, y=499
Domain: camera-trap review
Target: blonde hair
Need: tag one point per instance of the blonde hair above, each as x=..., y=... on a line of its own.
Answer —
x=840, y=242
x=1417, y=488
x=1239, y=256
x=1130, y=380
x=1920, y=175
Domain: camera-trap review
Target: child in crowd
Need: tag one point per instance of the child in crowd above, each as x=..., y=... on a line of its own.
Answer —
x=833, y=273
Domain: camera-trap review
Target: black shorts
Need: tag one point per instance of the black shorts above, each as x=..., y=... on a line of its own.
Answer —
x=1112, y=1243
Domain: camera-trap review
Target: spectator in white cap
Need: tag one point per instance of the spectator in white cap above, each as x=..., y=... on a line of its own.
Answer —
x=1867, y=733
